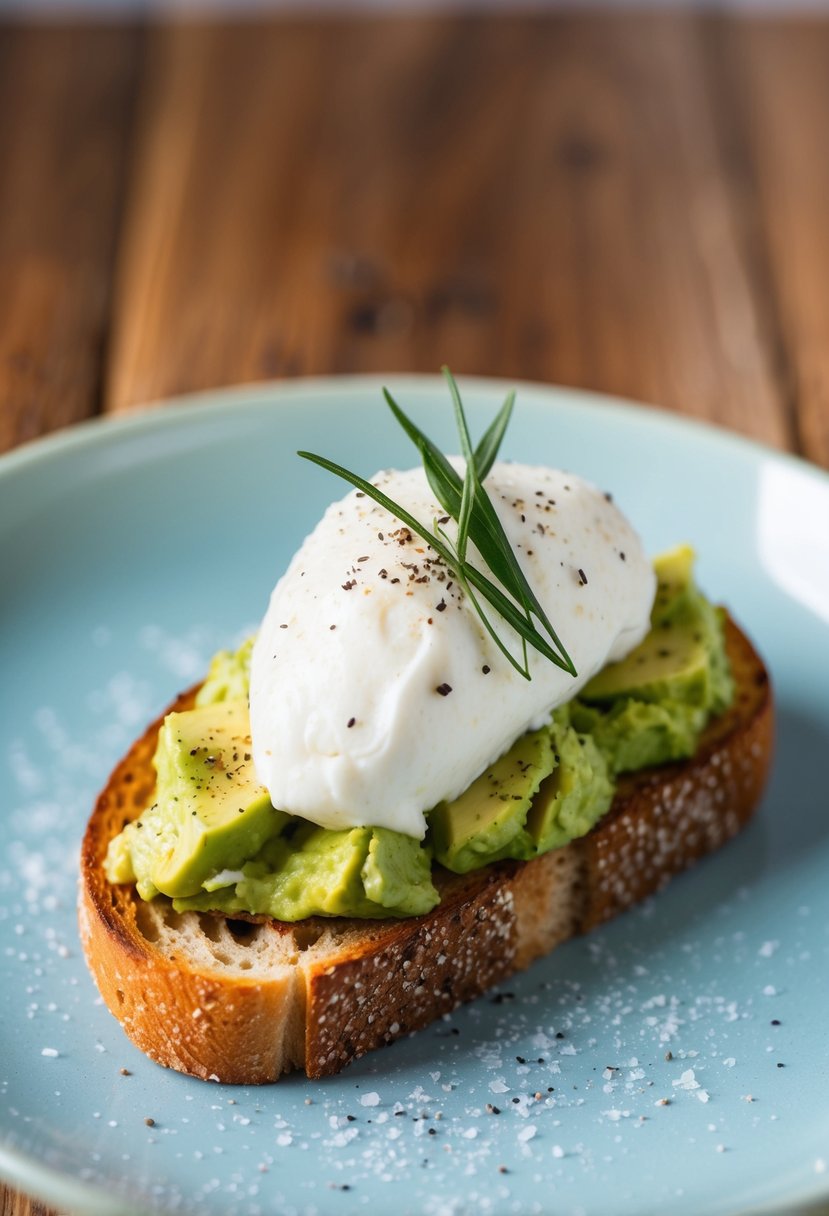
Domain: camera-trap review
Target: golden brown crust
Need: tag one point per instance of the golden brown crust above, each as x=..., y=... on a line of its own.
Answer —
x=243, y=1004
x=664, y=820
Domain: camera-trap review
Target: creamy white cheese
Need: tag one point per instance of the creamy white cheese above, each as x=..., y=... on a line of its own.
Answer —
x=375, y=690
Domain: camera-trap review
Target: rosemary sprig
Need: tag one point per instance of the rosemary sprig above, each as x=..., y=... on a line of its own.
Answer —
x=467, y=502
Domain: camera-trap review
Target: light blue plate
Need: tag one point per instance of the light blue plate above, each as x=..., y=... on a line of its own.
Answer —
x=129, y=551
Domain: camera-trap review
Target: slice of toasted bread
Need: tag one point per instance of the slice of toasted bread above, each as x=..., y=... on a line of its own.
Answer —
x=245, y=1001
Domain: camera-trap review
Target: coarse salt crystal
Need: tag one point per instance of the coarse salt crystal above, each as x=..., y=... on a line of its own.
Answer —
x=342, y=1138
x=372, y=1099
x=527, y=1133
x=51, y=1052
x=558, y=1151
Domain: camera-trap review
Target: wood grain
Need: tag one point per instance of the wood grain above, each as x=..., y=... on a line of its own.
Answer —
x=547, y=198
x=634, y=203
x=12, y=1204
x=64, y=121
x=783, y=68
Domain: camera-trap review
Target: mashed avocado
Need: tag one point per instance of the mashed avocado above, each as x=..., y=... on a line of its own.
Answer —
x=228, y=677
x=366, y=872
x=650, y=708
x=213, y=841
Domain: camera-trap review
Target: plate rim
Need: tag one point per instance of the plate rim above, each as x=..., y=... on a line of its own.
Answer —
x=17, y=1167
x=33, y=1177
x=183, y=409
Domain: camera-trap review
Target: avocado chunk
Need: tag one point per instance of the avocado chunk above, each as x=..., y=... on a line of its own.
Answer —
x=312, y=871
x=650, y=708
x=675, y=587
x=213, y=814
x=228, y=677
x=397, y=873
x=633, y=734
x=673, y=662
x=670, y=664
x=575, y=795
x=486, y=823
x=213, y=841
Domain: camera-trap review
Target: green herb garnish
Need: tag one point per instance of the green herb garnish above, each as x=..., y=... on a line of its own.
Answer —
x=467, y=502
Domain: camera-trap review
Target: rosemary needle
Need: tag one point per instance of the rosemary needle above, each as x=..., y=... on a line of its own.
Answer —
x=466, y=501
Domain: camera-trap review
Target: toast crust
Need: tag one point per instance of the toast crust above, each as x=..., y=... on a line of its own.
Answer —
x=247, y=1000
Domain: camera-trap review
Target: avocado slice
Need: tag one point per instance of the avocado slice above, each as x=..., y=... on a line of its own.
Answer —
x=486, y=822
x=673, y=662
x=676, y=590
x=213, y=814
x=575, y=795
x=649, y=708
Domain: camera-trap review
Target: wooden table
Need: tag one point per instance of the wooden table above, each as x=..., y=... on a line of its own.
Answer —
x=636, y=204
